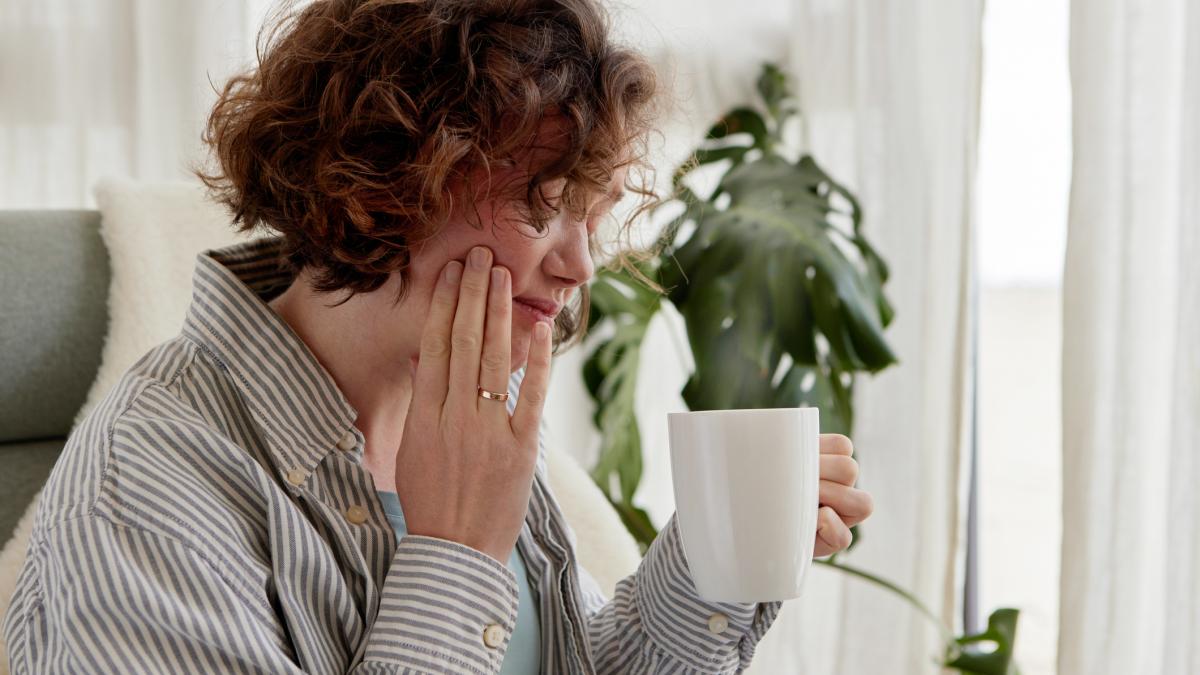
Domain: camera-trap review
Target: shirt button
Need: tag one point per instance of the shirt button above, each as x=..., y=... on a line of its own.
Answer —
x=718, y=622
x=493, y=635
x=356, y=515
x=296, y=476
x=348, y=442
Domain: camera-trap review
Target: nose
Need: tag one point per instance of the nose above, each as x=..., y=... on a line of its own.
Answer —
x=571, y=260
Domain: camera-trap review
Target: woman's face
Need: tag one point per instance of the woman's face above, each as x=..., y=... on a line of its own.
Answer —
x=546, y=268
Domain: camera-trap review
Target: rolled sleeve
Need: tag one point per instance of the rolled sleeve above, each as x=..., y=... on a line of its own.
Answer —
x=657, y=622
x=679, y=621
x=446, y=607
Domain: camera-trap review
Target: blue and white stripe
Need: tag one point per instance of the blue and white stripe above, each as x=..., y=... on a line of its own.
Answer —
x=205, y=518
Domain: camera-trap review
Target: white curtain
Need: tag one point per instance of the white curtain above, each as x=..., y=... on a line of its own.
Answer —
x=109, y=87
x=1130, y=586
x=891, y=95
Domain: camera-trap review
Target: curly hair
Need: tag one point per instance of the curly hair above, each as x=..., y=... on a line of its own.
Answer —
x=365, y=119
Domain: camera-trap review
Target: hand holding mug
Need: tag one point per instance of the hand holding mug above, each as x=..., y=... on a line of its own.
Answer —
x=842, y=505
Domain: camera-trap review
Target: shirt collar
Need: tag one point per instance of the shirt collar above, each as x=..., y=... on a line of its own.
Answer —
x=289, y=393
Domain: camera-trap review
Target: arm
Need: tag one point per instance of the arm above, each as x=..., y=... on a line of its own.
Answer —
x=656, y=622
x=98, y=596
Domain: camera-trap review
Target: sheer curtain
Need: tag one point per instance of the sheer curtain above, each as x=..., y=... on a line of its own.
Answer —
x=109, y=87
x=1130, y=586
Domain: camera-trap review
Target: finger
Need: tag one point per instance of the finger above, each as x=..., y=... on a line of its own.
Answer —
x=832, y=533
x=494, y=366
x=466, y=339
x=851, y=504
x=836, y=444
x=839, y=469
x=431, y=372
x=532, y=396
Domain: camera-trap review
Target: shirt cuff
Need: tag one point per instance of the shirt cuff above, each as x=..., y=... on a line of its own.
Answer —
x=445, y=607
x=706, y=635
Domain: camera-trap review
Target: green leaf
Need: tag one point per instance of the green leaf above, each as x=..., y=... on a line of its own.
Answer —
x=999, y=637
x=843, y=395
x=741, y=121
x=610, y=374
x=751, y=318
x=791, y=308
x=638, y=523
x=704, y=156
x=828, y=311
x=789, y=393
x=773, y=183
x=629, y=471
x=610, y=295
x=772, y=86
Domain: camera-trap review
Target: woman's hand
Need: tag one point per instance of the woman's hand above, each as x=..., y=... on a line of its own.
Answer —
x=464, y=470
x=842, y=505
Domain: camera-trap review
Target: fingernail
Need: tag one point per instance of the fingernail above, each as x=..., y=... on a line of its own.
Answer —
x=453, y=271
x=478, y=257
x=541, y=330
x=497, y=276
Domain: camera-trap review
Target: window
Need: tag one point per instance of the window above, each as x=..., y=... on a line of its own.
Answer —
x=1023, y=187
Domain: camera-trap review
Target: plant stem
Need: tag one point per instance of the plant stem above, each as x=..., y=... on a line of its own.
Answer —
x=947, y=634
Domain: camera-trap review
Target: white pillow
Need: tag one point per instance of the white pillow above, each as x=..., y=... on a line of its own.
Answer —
x=153, y=232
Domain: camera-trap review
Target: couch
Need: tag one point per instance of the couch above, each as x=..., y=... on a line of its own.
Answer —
x=54, y=278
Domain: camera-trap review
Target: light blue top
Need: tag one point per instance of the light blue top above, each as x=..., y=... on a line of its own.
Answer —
x=524, y=654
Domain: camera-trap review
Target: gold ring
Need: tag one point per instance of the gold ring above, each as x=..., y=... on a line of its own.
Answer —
x=493, y=395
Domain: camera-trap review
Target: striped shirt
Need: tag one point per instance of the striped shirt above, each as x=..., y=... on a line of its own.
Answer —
x=213, y=514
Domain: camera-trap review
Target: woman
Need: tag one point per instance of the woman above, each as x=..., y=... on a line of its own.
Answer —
x=298, y=485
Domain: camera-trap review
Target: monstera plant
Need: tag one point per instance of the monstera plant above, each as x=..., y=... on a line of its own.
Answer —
x=782, y=297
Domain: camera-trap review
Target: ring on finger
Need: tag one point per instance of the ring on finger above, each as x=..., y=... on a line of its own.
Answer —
x=492, y=395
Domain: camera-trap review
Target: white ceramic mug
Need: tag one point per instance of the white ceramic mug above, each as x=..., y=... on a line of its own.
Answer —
x=746, y=498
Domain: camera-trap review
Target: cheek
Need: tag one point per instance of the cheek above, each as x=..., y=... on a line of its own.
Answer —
x=421, y=285
x=413, y=311
x=522, y=262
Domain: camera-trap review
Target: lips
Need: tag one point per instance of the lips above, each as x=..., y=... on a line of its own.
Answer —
x=541, y=310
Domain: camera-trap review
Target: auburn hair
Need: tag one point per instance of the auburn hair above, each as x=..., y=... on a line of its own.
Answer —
x=364, y=119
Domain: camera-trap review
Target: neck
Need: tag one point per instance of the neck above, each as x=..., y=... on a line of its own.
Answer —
x=369, y=353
